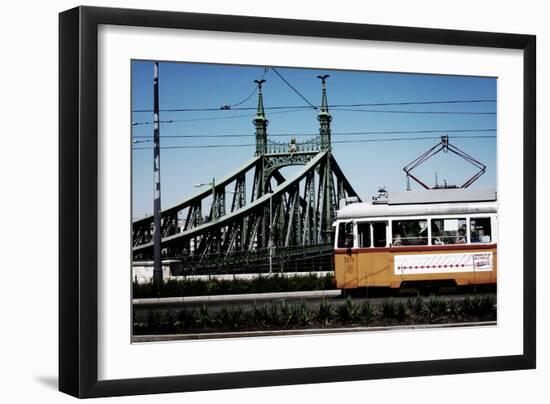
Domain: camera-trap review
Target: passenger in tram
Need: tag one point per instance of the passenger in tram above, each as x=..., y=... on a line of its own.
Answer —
x=437, y=241
x=397, y=241
x=461, y=239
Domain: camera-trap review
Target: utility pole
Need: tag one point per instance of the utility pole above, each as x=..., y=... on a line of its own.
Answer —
x=157, y=266
x=271, y=245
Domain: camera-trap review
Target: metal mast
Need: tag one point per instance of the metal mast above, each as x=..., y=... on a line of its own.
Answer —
x=324, y=116
x=327, y=183
x=260, y=185
x=260, y=122
x=157, y=266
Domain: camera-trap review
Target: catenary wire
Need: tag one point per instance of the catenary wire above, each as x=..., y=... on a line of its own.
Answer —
x=217, y=118
x=391, y=132
x=212, y=146
x=378, y=104
x=251, y=94
x=293, y=88
x=381, y=111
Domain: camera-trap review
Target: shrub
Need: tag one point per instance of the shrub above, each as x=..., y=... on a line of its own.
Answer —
x=435, y=307
x=257, y=315
x=325, y=313
x=479, y=305
x=204, y=318
x=153, y=320
x=488, y=305
x=388, y=309
x=233, y=319
x=170, y=318
x=366, y=312
x=262, y=284
x=469, y=305
x=304, y=315
x=272, y=315
x=401, y=312
x=348, y=312
x=288, y=314
x=186, y=319
x=418, y=304
x=452, y=308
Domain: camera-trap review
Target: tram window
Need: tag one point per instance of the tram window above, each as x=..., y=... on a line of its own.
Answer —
x=448, y=231
x=379, y=234
x=345, y=235
x=410, y=232
x=363, y=232
x=480, y=230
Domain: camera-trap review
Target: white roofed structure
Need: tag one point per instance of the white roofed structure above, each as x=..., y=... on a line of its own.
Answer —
x=425, y=203
x=442, y=195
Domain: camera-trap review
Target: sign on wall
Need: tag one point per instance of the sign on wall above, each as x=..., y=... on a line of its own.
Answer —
x=417, y=264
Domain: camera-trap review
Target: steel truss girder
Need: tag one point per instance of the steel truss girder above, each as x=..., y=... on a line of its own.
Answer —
x=303, y=208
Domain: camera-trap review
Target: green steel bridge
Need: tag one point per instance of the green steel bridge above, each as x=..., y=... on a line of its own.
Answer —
x=283, y=224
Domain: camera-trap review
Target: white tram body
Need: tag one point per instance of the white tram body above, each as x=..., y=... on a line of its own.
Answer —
x=443, y=235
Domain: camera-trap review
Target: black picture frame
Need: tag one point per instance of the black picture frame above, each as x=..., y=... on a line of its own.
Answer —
x=78, y=201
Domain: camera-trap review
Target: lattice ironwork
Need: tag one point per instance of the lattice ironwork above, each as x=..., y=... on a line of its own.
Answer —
x=282, y=218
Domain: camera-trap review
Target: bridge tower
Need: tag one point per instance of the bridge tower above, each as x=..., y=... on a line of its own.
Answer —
x=324, y=116
x=260, y=122
x=327, y=201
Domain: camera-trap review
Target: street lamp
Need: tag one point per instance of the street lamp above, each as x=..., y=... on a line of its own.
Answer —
x=213, y=184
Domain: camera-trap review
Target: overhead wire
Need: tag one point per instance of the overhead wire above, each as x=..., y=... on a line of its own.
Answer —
x=337, y=107
x=377, y=104
x=251, y=94
x=385, y=111
x=390, y=132
x=336, y=141
x=215, y=118
x=293, y=88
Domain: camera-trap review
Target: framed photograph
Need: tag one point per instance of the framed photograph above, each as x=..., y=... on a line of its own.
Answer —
x=250, y=201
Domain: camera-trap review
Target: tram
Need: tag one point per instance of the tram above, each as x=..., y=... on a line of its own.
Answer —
x=435, y=236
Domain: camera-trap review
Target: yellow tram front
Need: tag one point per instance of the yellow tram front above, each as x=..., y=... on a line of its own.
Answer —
x=445, y=236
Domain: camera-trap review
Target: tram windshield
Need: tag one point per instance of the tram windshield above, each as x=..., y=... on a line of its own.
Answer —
x=345, y=235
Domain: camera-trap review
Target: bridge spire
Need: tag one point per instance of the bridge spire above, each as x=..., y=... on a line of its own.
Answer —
x=324, y=116
x=260, y=122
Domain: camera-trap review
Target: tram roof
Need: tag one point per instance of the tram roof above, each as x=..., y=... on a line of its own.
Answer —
x=426, y=203
x=443, y=195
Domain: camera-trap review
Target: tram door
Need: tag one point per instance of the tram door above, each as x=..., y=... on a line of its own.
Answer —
x=373, y=257
x=381, y=273
x=346, y=264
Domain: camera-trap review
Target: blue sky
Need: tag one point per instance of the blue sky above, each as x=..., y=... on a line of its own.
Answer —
x=367, y=165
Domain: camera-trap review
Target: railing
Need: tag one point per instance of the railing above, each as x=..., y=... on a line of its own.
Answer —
x=284, y=259
x=310, y=145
